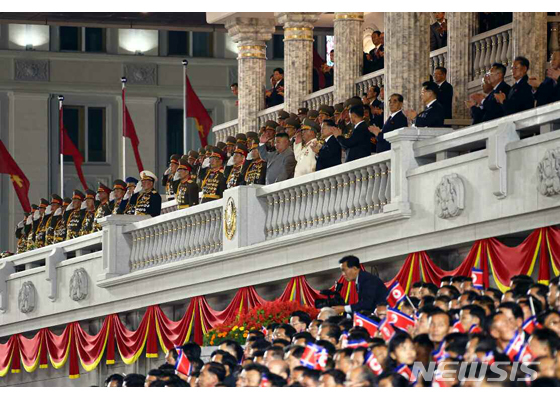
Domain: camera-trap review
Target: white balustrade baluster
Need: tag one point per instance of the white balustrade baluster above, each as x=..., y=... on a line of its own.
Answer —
x=199, y=234
x=482, y=66
x=205, y=223
x=208, y=234
x=182, y=242
x=281, y=212
x=269, y=213
x=326, y=201
x=220, y=227
x=476, y=70
x=291, y=221
x=509, y=48
x=320, y=202
x=344, y=202
x=134, y=250
x=309, y=206
x=338, y=209
x=388, y=191
x=302, y=208
x=376, y=201
x=383, y=186
x=351, y=193
x=369, y=193
x=159, y=245
x=173, y=239
x=314, y=215
x=488, y=59
x=148, y=247
x=499, y=47
x=213, y=228
x=274, y=221
x=144, y=247
x=330, y=213
x=494, y=48
x=360, y=195
x=297, y=209
x=189, y=229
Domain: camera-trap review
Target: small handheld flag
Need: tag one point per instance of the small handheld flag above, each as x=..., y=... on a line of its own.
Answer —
x=399, y=319
x=183, y=365
x=361, y=320
x=396, y=294
x=477, y=278
x=373, y=363
x=386, y=329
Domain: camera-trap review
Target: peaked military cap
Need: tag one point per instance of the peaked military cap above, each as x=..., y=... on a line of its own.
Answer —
x=103, y=188
x=312, y=114
x=56, y=199
x=241, y=149
x=119, y=184
x=174, y=159
x=241, y=138
x=270, y=124
x=326, y=110
x=191, y=153
x=302, y=110
x=283, y=114
x=148, y=175
x=309, y=124
x=184, y=164
x=90, y=194
x=77, y=195
x=292, y=123
x=230, y=140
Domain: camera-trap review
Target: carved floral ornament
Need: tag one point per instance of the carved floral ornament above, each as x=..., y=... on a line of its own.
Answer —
x=79, y=285
x=450, y=196
x=230, y=218
x=27, y=297
x=548, y=173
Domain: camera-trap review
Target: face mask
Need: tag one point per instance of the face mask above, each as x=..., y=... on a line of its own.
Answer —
x=206, y=163
x=83, y=206
x=48, y=211
x=112, y=196
x=250, y=157
x=58, y=212
x=176, y=177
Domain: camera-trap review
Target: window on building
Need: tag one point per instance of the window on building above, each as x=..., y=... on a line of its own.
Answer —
x=202, y=44
x=174, y=131
x=278, y=46
x=71, y=39
x=178, y=43
x=87, y=128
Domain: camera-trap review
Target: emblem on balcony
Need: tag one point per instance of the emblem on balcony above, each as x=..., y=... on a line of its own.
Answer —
x=26, y=298
x=548, y=173
x=79, y=285
x=450, y=196
x=230, y=218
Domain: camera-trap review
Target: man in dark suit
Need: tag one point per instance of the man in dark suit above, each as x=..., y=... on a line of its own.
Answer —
x=434, y=114
x=549, y=90
x=477, y=100
x=520, y=96
x=371, y=290
x=438, y=32
x=493, y=109
x=329, y=154
x=358, y=145
x=445, y=93
x=396, y=120
x=277, y=96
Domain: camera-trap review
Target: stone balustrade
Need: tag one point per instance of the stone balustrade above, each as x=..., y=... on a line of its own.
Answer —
x=176, y=236
x=364, y=82
x=270, y=113
x=222, y=131
x=438, y=58
x=343, y=193
x=491, y=47
x=553, y=36
x=168, y=206
x=324, y=96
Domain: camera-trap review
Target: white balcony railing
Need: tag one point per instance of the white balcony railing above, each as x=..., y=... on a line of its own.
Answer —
x=491, y=47
x=270, y=113
x=438, y=58
x=324, y=96
x=222, y=131
x=364, y=82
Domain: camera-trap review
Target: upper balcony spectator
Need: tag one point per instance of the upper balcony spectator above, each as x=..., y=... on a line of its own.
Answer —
x=375, y=60
x=549, y=90
x=438, y=32
x=520, y=97
x=434, y=113
x=492, y=20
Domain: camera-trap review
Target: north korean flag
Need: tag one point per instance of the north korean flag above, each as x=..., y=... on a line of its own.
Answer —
x=514, y=346
x=530, y=325
x=312, y=355
x=405, y=372
x=373, y=363
x=183, y=365
x=488, y=358
x=525, y=355
x=399, y=319
x=361, y=320
x=439, y=354
x=386, y=329
x=458, y=327
x=354, y=344
x=396, y=294
x=477, y=278
x=475, y=329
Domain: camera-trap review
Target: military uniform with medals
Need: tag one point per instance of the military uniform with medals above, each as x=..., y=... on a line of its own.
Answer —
x=115, y=203
x=89, y=215
x=21, y=235
x=256, y=170
x=36, y=225
x=41, y=237
x=168, y=180
x=145, y=203
x=103, y=208
x=235, y=173
x=56, y=221
x=75, y=218
x=187, y=191
x=214, y=183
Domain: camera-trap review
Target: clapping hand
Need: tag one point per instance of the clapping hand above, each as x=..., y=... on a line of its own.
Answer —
x=553, y=73
x=410, y=114
x=337, y=132
x=500, y=97
x=316, y=147
x=374, y=129
x=533, y=82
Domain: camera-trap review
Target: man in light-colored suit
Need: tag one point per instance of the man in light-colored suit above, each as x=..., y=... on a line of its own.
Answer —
x=280, y=163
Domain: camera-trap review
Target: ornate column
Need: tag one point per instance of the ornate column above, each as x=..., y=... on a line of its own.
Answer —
x=250, y=34
x=348, y=53
x=407, y=56
x=459, y=58
x=529, y=40
x=298, y=56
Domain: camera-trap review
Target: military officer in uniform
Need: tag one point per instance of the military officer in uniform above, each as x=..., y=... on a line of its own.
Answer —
x=303, y=151
x=57, y=215
x=37, y=218
x=89, y=214
x=214, y=183
x=119, y=189
x=234, y=174
x=312, y=115
x=187, y=191
x=325, y=112
x=59, y=234
x=76, y=216
x=292, y=126
x=204, y=166
x=255, y=172
x=302, y=113
x=47, y=223
x=131, y=183
x=21, y=236
x=282, y=117
x=192, y=157
x=168, y=180
x=148, y=201
x=103, y=208
x=338, y=108
x=252, y=137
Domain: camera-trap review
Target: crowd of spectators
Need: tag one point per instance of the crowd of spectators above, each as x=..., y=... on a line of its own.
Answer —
x=457, y=334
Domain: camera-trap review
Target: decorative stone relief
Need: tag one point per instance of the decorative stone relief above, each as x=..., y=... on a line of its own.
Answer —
x=450, y=196
x=31, y=70
x=26, y=298
x=230, y=218
x=79, y=285
x=141, y=74
x=548, y=173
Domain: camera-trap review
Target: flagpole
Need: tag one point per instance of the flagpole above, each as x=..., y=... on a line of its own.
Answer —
x=123, y=86
x=61, y=128
x=185, y=63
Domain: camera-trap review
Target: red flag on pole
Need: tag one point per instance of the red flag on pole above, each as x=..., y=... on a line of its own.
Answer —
x=196, y=110
x=68, y=148
x=130, y=132
x=18, y=178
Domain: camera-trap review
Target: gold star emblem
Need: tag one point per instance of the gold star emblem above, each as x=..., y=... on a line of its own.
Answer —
x=17, y=180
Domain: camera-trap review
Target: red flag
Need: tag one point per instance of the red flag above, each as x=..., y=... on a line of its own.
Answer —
x=130, y=132
x=196, y=110
x=396, y=294
x=18, y=178
x=373, y=363
x=386, y=329
x=371, y=326
x=70, y=149
x=183, y=365
x=399, y=319
x=458, y=327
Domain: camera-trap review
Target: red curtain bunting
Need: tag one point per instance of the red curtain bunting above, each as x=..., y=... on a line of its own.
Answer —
x=76, y=346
